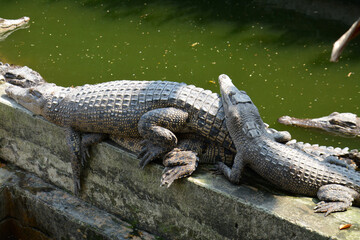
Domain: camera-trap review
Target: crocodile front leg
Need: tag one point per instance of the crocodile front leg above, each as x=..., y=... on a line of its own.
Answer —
x=78, y=144
x=74, y=143
x=233, y=174
x=335, y=198
x=87, y=140
x=157, y=127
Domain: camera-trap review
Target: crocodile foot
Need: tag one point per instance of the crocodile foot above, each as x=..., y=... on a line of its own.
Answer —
x=335, y=198
x=330, y=207
x=217, y=169
x=150, y=152
x=178, y=164
x=87, y=140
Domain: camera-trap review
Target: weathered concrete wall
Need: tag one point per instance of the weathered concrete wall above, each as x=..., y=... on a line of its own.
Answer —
x=204, y=206
x=42, y=211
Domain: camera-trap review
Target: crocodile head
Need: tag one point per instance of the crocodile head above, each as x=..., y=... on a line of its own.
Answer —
x=8, y=26
x=21, y=76
x=232, y=97
x=242, y=116
x=342, y=124
x=31, y=98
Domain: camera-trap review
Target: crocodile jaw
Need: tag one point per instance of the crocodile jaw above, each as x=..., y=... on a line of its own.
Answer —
x=29, y=98
x=8, y=25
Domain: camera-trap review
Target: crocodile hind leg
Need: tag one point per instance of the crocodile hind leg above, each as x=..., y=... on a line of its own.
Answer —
x=178, y=164
x=157, y=127
x=78, y=144
x=335, y=198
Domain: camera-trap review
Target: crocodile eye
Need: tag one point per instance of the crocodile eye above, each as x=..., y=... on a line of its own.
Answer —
x=34, y=93
x=350, y=124
x=343, y=123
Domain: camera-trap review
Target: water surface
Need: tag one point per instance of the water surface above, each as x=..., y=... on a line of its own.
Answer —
x=281, y=58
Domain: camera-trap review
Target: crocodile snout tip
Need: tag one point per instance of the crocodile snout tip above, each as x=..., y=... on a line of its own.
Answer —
x=223, y=77
x=26, y=19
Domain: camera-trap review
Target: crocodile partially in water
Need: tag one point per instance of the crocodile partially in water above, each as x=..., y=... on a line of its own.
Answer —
x=343, y=124
x=287, y=168
x=8, y=26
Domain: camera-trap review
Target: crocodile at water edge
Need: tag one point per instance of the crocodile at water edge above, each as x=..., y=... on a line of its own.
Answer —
x=128, y=111
x=290, y=169
x=8, y=26
x=179, y=162
x=342, y=124
x=153, y=110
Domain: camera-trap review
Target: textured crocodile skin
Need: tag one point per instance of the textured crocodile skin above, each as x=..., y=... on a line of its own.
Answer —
x=117, y=107
x=286, y=167
x=152, y=110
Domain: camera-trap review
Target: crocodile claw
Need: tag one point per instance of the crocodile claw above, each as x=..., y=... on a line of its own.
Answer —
x=149, y=152
x=77, y=186
x=84, y=155
x=172, y=173
x=217, y=168
x=178, y=164
x=330, y=207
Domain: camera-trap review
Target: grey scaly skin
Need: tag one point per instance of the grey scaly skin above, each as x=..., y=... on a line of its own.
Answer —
x=340, y=156
x=151, y=110
x=290, y=169
x=8, y=26
x=179, y=162
x=343, y=124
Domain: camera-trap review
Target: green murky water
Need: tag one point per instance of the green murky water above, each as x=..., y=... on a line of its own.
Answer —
x=278, y=56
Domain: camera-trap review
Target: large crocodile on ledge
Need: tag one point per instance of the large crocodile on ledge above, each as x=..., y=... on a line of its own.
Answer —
x=179, y=162
x=290, y=169
x=152, y=110
x=8, y=26
x=343, y=124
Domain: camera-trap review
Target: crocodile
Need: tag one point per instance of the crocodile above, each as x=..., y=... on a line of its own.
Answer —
x=341, y=43
x=287, y=168
x=342, y=124
x=8, y=26
x=149, y=110
x=152, y=110
x=180, y=161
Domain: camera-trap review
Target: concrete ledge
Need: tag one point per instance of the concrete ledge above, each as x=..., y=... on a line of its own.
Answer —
x=204, y=206
x=41, y=211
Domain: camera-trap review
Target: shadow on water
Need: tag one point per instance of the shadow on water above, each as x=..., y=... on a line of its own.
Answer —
x=300, y=28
